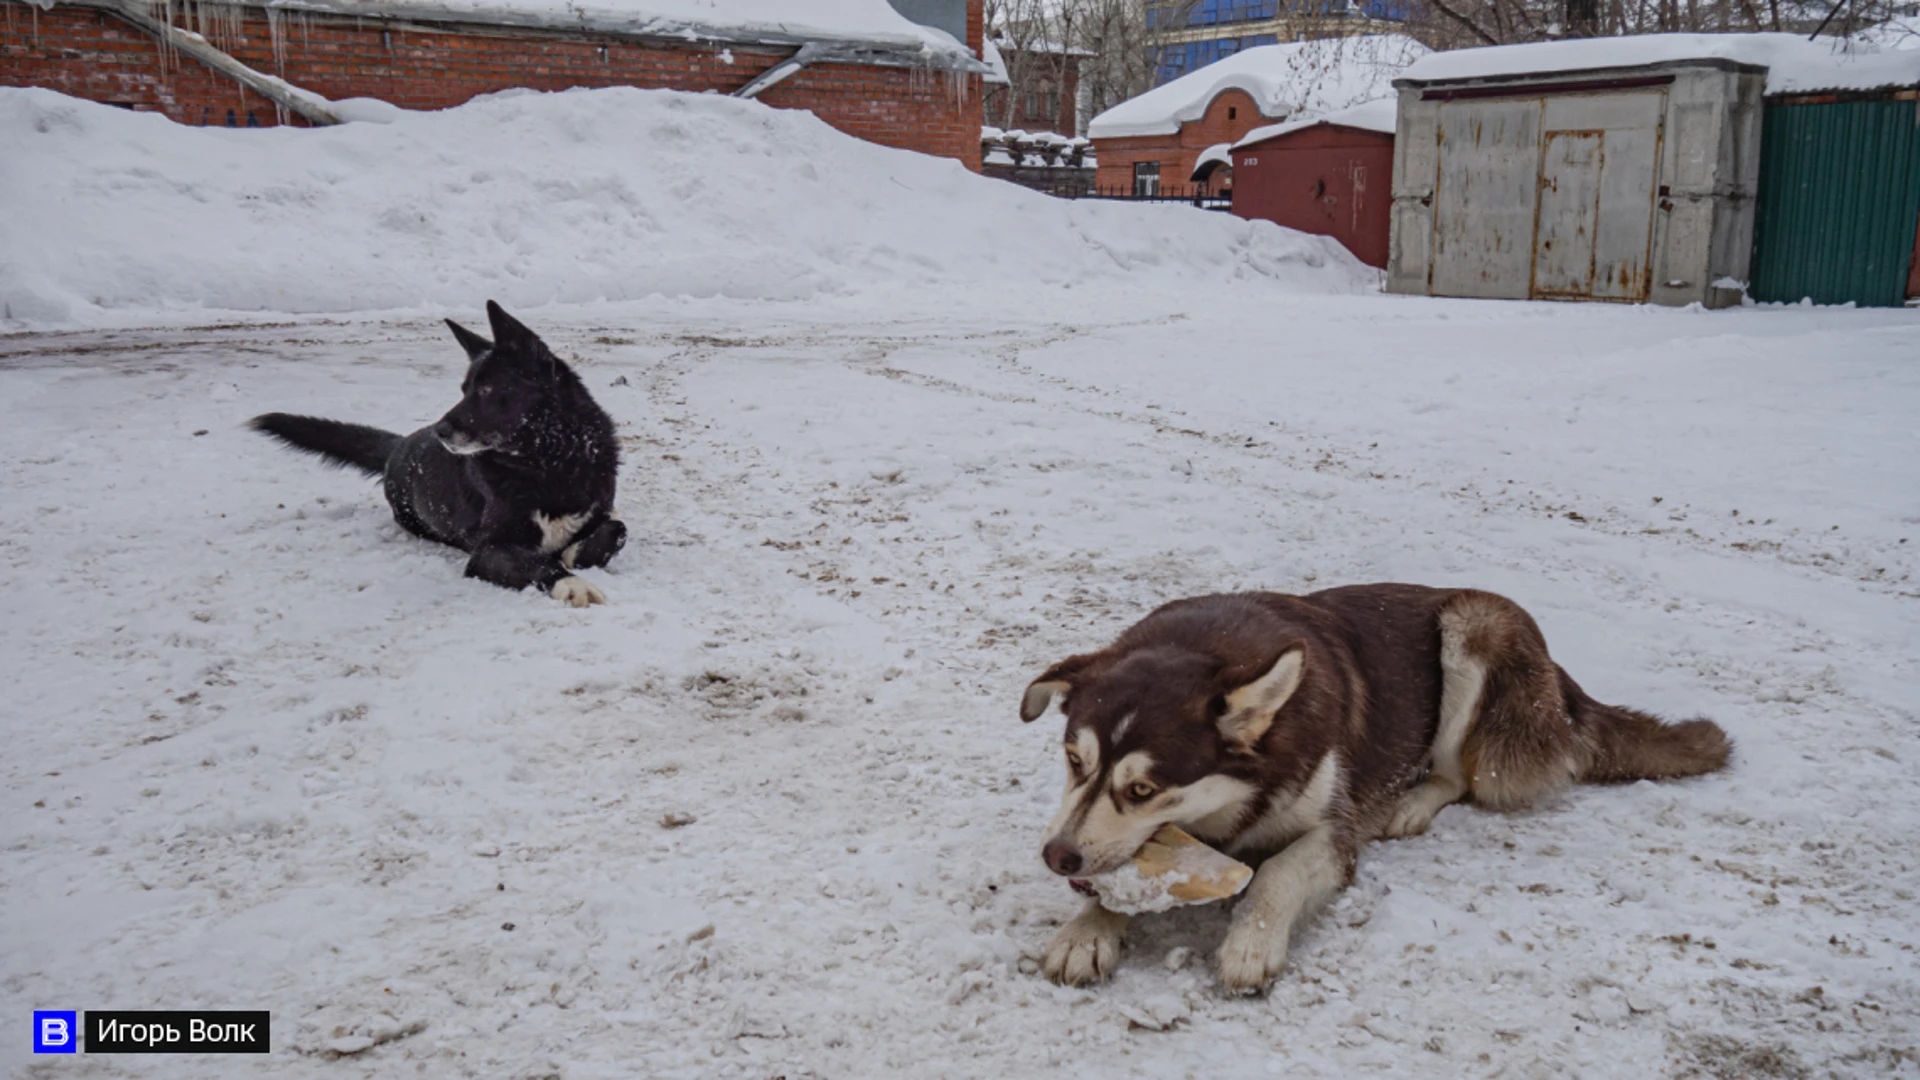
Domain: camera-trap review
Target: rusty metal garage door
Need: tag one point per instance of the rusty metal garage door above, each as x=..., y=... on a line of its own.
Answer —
x=1547, y=197
x=1598, y=167
x=1484, y=202
x=1568, y=214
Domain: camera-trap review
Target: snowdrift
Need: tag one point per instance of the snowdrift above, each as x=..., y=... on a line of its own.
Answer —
x=531, y=198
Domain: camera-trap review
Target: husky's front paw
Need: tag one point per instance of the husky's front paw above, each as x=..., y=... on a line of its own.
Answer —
x=1251, y=956
x=1417, y=807
x=1087, y=949
x=577, y=592
x=1410, y=818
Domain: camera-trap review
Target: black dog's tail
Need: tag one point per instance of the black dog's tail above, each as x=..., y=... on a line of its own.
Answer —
x=338, y=444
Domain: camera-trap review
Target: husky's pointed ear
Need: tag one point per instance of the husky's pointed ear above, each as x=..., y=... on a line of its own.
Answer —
x=1056, y=682
x=470, y=341
x=1247, y=711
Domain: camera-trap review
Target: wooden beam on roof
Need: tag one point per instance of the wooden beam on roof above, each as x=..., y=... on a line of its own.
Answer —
x=193, y=45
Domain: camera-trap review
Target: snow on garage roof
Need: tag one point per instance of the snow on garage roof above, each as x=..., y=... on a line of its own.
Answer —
x=871, y=23
x=1380, y=114
x=1317, y=76
x=1794, y=64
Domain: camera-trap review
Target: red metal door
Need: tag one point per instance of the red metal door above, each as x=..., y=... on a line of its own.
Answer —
x=1324, y=180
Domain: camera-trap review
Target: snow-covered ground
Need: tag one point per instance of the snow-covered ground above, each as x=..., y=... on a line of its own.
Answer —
x=897, y=437
x=266, y=751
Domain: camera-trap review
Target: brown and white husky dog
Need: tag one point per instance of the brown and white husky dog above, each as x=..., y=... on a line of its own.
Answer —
x=1290, y=730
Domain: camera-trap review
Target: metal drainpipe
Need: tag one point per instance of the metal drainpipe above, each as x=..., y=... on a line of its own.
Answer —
x=808, y=53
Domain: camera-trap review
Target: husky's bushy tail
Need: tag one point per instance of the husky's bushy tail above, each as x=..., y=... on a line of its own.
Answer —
x=340, y=445
x=1617, y=745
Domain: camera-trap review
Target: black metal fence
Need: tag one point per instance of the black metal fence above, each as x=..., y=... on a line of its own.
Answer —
x=1204, y=198
x=1057, y=180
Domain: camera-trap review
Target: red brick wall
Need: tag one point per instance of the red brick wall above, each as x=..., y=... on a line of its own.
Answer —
x=92, y=55
x=1230, y=115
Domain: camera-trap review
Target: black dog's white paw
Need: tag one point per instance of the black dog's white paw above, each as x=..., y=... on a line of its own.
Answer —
x=577, y=592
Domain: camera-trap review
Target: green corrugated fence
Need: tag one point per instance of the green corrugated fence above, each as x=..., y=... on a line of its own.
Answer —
x=1838, y=201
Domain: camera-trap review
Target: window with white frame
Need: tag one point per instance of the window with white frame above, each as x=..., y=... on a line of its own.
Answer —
x=1146, y=178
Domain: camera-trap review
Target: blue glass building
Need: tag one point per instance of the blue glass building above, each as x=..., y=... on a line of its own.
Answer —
x=1190, y=34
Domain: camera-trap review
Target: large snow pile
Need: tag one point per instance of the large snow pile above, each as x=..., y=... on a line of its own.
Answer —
x=1302, y=76
x=544, y=198
x=1793, y=63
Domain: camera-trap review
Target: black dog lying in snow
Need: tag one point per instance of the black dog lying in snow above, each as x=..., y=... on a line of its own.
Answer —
x=520, y=473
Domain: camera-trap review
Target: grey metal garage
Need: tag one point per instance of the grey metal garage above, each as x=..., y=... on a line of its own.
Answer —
x=1626, y=183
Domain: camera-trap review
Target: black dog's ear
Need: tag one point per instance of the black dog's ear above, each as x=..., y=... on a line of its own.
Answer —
x=516, y=340
x=507, y=330
x=470, y=341
x=1057, y=681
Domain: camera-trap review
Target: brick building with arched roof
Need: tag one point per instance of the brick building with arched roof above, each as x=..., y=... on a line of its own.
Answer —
x=1152, y=142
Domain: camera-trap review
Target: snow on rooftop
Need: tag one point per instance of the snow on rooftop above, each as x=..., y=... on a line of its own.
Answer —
x=1793, y=63
x=1316, y=76
x=996, y=65
x=871, y=22
x=1380, y=114
x=1041, y=45
x=1219, y=154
